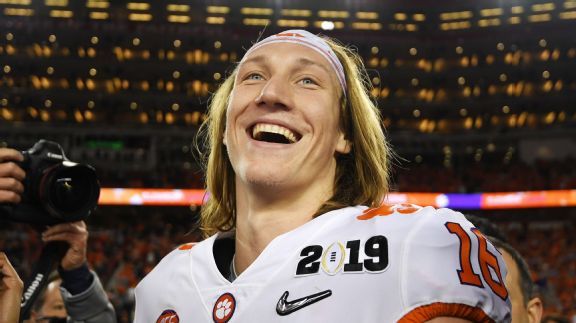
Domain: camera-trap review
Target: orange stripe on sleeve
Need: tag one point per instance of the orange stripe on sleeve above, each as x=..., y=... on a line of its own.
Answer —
x=434, y=310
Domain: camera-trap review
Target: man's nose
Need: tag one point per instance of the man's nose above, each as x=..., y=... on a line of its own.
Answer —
x=275, y=93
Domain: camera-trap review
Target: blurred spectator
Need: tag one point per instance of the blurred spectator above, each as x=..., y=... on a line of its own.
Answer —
x=526, y=303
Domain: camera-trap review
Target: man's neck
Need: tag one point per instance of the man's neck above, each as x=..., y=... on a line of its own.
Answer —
x=259, y=221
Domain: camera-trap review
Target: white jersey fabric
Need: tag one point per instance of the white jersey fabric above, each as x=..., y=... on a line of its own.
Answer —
x=400, y=263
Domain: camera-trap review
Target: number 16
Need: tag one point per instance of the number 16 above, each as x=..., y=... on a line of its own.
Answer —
x=486, y=260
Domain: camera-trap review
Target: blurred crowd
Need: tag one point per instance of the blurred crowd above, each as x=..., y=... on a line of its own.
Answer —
x=487, y=177
x=407, y=177
x=125, y=243
x=550, y=250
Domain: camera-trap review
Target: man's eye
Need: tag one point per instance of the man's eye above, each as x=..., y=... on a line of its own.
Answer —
x=308, y=81
x=254, y=77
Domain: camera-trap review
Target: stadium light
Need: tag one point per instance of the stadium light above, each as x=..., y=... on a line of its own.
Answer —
x=327, y=25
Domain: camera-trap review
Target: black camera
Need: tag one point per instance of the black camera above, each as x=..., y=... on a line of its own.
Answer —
x=56, y=190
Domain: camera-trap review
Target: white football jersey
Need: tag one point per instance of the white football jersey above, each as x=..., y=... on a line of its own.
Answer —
x=400, y=263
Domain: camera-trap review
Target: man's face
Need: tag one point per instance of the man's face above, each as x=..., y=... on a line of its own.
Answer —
x=523, y=311
x=282, y=127
x=53, y=305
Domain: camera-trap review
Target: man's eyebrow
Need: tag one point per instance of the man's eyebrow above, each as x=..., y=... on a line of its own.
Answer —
x=262, y=59
x=309, y=62
x=258, y=59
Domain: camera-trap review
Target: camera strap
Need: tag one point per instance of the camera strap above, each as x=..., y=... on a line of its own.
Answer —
x=51, y=255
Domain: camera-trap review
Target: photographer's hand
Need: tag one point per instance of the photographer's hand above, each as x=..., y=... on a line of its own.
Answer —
x=76, y=234
x=11, y=176
x=10, y=291
x=76, y=277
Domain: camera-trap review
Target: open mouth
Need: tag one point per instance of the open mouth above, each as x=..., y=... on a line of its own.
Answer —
x=274, y=134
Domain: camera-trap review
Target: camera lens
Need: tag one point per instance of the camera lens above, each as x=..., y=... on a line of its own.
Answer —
x=67, y=194
x=72, y=192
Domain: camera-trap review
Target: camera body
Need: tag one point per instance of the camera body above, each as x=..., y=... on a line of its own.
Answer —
x=56, y=190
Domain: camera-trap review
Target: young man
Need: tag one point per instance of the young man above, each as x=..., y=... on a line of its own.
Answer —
x=297, y=171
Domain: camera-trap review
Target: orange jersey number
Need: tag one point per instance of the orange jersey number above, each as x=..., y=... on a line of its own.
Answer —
x=486, y=260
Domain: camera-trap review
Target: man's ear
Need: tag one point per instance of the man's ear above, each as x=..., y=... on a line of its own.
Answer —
x=343, y=145
x=534, y=308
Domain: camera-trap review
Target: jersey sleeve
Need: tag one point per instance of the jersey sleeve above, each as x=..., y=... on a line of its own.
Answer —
x=149, y=292
x=450, y=269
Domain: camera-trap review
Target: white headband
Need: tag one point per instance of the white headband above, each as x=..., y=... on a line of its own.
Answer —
x=303, y=37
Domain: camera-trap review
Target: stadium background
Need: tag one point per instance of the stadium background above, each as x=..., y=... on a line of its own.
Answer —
x=477, y=96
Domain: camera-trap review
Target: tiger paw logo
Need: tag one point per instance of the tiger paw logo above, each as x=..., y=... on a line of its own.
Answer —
x=168, y=316
x=224, y=308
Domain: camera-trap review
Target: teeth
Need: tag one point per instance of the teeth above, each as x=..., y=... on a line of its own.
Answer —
x=271, y=128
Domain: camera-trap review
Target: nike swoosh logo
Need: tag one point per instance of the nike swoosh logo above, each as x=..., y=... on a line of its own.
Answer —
x=285, y=307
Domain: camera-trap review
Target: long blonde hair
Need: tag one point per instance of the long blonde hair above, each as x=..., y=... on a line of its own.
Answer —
x=362, y=176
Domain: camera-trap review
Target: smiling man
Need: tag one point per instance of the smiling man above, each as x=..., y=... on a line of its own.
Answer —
x=297, y=172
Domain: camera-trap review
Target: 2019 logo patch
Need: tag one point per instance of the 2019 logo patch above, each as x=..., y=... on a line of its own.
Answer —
x=349, y=257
